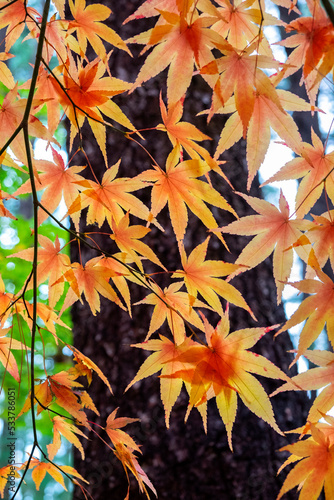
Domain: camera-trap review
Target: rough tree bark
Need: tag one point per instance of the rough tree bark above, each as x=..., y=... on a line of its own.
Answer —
x=183, y=462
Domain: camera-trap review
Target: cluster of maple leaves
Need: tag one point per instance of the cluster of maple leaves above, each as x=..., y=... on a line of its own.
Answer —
x=244, y=81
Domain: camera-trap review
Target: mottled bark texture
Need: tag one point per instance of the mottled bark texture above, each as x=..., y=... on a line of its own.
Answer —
x=183, y=462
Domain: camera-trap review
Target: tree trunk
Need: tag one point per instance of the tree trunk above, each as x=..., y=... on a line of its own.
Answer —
x=183, y=462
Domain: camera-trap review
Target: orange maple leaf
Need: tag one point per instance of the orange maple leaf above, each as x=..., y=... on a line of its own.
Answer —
x=130, y=462
x=88, y=27
x=117, y=436
x=4, y=474
x=315, y=467
x=6, y=356
x=265, y=115
x=5, y=301
x=52, y=265
x=317, y=310
x=314, y=42
x=239, y=22
x=275, y=232
x=57, y=180
x=11, y=116
x=203, y=276
x=68, y=430
x=321, y=236
x=166, y=359
x=239, y=72
x=127, y=239
x=3, y=210
x=223, y=370
x=173, y=305
x=6, y=76
x=85, y=366
x=13, y=16
x=41, y=468
x=90, y=92
x=183, y=39
x=110, y=198
x=180, y=187
x=89, y=280
x=61, y=389
x=316, y=169
x=315, y=379
x=185, y=134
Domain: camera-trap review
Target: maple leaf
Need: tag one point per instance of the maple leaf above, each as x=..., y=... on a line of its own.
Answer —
x=316, y=169
x=265, y=115
x=4, y=474
x=90, y=280
x=117, y=436
x=5, y=301
x=57, y=180
x=127, y=239
x=85, y=366
x=44, y=312
x=225, y=366
x=183, y=39
x=239, y=23
x=239, y=72
x=88, y=27
x=315, y=379
x=313, y=53
x=110, y=198
x=60, y=389
x=129, y=461
x=6, y=356
x=56, y=38
x=321, y=236
x=315, y=468
x=317, y=310
x=185, y=134
x=121, y=272
x=88, y=95
x=68, y=430
x=13, y=16
x=3, y=210
x=152, y=8
x=173, y=305
x=6, y=76
x=203, y=276
x=41, y=468
x=275, y=232
x=180, y=187
x=52, y=265
x=11, y=116
x=165, y=358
